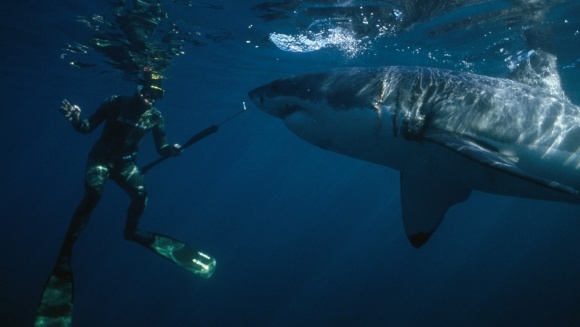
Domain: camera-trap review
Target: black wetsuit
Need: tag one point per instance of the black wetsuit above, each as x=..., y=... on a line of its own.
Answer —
x=127, y=121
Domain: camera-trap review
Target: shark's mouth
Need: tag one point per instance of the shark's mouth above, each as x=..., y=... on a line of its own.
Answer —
x=289, y=110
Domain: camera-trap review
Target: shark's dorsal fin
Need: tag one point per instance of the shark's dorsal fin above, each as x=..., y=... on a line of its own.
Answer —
x=539, y=70
x=425, y=197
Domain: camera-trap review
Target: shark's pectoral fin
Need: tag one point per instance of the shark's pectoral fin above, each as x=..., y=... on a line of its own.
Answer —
x=425, y=197
x=487, y=155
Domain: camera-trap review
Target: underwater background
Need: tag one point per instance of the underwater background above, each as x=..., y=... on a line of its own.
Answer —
x=302, y=236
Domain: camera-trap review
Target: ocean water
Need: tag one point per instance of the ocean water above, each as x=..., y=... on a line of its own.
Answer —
x=302, y=236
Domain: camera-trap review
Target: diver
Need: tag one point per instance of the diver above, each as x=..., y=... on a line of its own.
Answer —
x=127, y=120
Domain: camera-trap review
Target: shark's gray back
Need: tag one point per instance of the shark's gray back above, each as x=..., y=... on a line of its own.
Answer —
x=505, y=111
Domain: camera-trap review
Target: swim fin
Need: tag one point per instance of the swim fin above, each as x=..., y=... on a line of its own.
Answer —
x=56, y=306
x=176, y=251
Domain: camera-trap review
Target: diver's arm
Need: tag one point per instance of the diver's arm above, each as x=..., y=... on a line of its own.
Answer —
x=73, y=114
x=163, y=148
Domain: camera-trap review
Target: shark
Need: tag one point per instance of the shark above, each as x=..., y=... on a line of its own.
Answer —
x=447, y=132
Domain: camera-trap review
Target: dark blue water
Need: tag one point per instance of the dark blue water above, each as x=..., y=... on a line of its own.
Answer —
x=302, y=237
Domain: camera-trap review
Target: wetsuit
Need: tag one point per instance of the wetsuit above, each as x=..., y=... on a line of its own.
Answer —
x=127, y=121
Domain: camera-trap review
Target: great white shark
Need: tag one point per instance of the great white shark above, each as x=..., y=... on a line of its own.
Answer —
x=447, y=132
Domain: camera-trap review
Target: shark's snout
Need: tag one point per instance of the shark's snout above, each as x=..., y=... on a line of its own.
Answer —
x=268, y=98
x=257, y=96
x=280, y=106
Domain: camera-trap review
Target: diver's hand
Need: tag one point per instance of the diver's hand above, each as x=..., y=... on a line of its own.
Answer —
x=171, y=150
x=70, y=112
x=175, y=150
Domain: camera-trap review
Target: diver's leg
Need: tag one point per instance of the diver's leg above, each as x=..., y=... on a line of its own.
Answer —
x=95, y=178
x=56, y=305
x=131, y=180
x=79, y=220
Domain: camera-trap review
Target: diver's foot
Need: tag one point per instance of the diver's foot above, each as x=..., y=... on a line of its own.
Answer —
x=183, y=255
x=57, y=298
